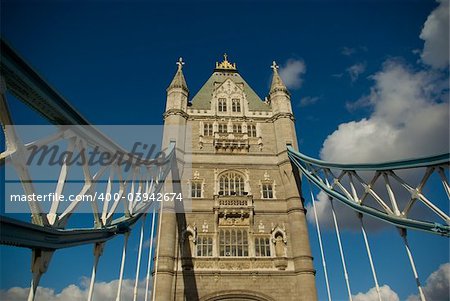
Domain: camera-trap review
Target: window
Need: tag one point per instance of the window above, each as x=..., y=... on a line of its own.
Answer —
x=233, y=242
x=262, y=246
x=252, y=130
x=231, y=183
x=196, y=189
x=236, y=105
x=222, y=128
x=222, y=105
x=237, y=128
x=208, y=129
x=267, y=191
x=204, y=246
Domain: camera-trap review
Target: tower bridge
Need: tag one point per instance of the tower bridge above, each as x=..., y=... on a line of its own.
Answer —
x=234, y=159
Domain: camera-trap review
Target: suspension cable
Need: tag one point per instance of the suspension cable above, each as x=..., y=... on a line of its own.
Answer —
x=150, y=254
x=341, y=251
x=98, y=250
x=411, y=261
x=138, y=265
x=320, y=243
x=157, y=249
x=122, y=264
x=369, y=254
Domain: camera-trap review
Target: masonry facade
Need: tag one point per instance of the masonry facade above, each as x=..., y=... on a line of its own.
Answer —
x=246, y=237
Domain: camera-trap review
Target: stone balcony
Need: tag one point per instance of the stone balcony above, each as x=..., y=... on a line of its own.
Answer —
x=234, y=210
x=231, y=142
x=233, y=201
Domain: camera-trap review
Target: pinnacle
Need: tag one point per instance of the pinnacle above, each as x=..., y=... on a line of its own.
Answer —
x=178, y=80
x=277, y=82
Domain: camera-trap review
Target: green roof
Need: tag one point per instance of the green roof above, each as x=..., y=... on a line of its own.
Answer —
x=202, y=100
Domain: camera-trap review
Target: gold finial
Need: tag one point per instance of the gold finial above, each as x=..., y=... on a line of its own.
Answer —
x=225, y=64
x=274, y=66
x=180, y=63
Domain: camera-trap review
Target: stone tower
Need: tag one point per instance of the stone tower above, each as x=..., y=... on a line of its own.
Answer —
x=246, y=237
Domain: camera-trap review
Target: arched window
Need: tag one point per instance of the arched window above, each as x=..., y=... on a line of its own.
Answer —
x=236, y=105
x=223, y=128
x=267, y=191
x=251, y=130
x=231, y=183
x=196, y=189
x=237, y=128
x=204, y=246
x=233, y=242
x=208, y=129
x=262, y=246
x=222, y=105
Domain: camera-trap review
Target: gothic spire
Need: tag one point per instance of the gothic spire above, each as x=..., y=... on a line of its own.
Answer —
x=277, y=82
x=178, y=80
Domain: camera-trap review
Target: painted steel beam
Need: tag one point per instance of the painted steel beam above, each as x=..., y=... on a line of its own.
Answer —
x=301, y=162
x=23, y=234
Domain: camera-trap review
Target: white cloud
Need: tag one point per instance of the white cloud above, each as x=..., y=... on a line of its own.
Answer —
x=356, y=70
x=308, y=100
x=347, y=51
x=291, y=73
x=410, y=118
x=103, y=291
x=387, y=294
x=435, y=34
x=437, y=285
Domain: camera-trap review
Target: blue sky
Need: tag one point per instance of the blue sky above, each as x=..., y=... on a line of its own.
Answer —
x=341, y=60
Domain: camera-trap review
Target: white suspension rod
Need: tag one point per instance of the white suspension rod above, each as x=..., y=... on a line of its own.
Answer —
x=157, y=249
x=444, y=181
x=320, y=243
x=138, y=265
x=122, y=265
x=369, y=254
x=98, y=250
x=341, y=251
x=413, y=266
x=150, y=254
x=34, y=286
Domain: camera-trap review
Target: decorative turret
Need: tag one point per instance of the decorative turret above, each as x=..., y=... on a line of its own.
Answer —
x=279, y=95
x=277, y=83
x=177, y=92
x=178, y=80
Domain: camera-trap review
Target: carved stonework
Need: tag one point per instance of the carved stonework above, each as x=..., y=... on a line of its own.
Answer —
x=261, y=227
x=281, y=263
x=234, y=221
x=205, y=226
x=234, y=265
x=201, y=264
x=262, y=265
